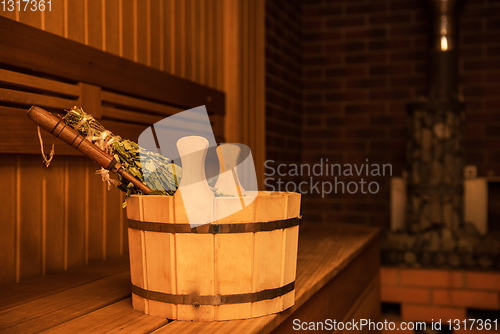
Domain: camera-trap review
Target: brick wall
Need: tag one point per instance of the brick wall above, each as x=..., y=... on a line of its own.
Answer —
x=283, y=85
x=362, y=62
x=480, y=83
x=433, y=294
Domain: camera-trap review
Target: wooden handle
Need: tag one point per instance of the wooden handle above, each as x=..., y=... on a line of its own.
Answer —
x=228, y=182
x=61, y=130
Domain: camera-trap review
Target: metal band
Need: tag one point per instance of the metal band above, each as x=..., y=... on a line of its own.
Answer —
x=213, y=228
x=57, y=135
x=112, y=164
x=74, y=140
x=55, y=125
x=81, y=141
x=213, y=299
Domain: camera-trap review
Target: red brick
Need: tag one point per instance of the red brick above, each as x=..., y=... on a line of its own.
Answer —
x=471, y=299
x=434, y=278
x=389, y=276
x=426, y=313
x=483, y=281
x=405, y=295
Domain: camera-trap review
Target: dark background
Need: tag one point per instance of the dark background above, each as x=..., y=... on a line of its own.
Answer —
x=339, y=75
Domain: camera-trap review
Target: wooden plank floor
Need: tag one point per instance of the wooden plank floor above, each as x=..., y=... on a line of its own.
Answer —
x=96, y=299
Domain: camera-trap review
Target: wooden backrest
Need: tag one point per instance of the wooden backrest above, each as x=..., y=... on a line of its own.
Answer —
x=63, y=216
x=43, y=69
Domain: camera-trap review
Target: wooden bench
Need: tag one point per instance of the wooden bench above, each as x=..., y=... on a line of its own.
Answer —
x=337, y=278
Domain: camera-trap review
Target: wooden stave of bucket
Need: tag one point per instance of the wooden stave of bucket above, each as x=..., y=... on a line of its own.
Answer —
x=219, y=267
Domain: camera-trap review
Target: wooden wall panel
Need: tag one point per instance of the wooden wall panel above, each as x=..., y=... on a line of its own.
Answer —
x=184, y=38
x=113, y=222
x=53, y=259
x=94, y=28
x=31, y=17
x=155, y=55
x=142, y=40
x=77, y=216
x=53, y=218
x=216, y=43
x=168, y=36
x=96, y=195
x=53, y=21
x=244, y=81
x=31, y=217
x=178, y=11
x=128, y=24
x=74, y=20
x=8, y=196
x=112, y=26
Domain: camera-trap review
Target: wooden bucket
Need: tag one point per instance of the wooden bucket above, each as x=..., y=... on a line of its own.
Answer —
x=241, y=266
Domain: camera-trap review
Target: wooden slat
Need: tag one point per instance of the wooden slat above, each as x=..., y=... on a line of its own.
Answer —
x=19, y=134
x=243, y=81
x=189, y=39
x=156, y=37
x=76, y=211
x=90, y=99
x=168, y=36
x=33, y=18
x=123, y=100
x=113, y=72
x=94, y=27
x=343, y=290
x=52, y=310
x=25, y=80
x=75, y=25
x=54, y=19
x=232, y=78
x=14, y=295
x=243, y=130
x=118, y=317
x=267, y=269
x=28, y=99
x=31, y=217
x=113, y=221
x=54, y=211
x=258, y=127
x=190, y=250
x=160, y=250
x=96, y=214
x=209, y=36
x=202, y=30
x=290, y=262
x=180, y=39
x=128, y=34
x=112, y=26
x=219, y=45
x=233, y=272
x=195, y=40
x=8, y=209
x=10, y=14
x=141, y=15
x=367, y=306
x=130, y=116
x=125, y=229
